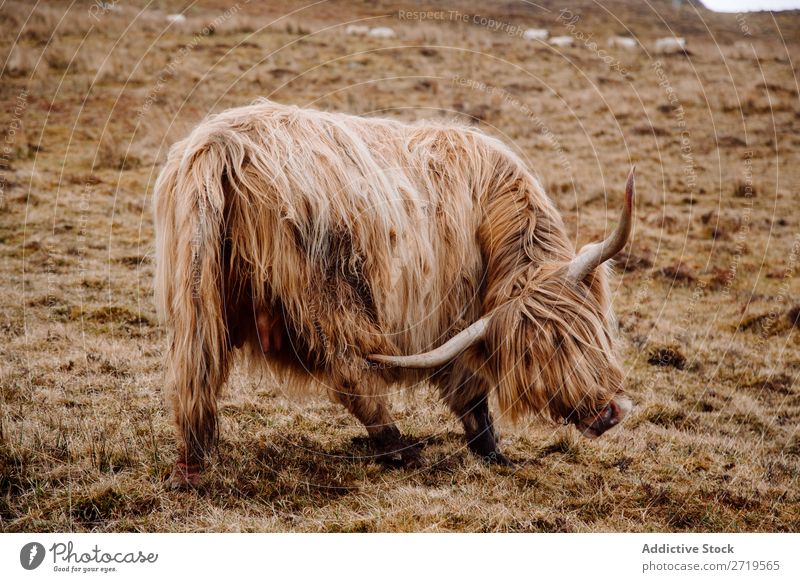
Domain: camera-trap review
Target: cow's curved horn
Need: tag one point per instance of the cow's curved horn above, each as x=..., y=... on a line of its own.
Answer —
x=441, y=355
x=595, y=254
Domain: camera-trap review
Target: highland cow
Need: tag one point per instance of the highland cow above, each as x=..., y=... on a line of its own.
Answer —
x=327, y=248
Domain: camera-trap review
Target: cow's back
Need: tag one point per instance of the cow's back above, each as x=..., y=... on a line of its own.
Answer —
x=362, y=230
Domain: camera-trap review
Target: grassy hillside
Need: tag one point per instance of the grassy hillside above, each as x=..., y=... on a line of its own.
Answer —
x=708, y=296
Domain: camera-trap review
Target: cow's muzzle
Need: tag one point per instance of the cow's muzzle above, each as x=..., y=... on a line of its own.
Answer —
x=593, y=426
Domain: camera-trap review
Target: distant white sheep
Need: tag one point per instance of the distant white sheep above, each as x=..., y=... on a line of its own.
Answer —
x=356, y=30
x=562, y=41
x=176, y=18
x=536, y=34
x=623, y=42
x=671, y=44
x=382, y=32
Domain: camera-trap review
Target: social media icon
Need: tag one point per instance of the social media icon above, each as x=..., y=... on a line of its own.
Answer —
x=31, y=555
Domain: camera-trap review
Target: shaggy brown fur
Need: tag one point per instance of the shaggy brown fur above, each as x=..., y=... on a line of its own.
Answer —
x=308, y=240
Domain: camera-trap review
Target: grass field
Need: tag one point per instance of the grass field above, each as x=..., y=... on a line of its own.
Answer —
x=707, y=295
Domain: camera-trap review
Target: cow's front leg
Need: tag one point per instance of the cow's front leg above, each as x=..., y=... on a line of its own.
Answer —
x=479, y=430
x=390, y=446
x=467, y=397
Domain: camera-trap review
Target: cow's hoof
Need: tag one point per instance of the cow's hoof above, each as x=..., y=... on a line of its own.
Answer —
x=183, y=478
x=390, y=458
x=497, y=458
x=412, y=456
x=404, y=455
x=485, y=448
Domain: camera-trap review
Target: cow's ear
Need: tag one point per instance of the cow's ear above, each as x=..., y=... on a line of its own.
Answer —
x=595, y=254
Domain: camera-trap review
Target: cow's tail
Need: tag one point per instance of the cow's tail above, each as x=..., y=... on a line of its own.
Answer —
x=189, y=204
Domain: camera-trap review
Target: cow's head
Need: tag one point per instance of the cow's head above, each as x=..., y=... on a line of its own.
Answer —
x=550, y=349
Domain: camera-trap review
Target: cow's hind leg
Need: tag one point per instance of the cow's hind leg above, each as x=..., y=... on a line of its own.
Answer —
x=372, y=410
x=193, y=384
x=467, y=397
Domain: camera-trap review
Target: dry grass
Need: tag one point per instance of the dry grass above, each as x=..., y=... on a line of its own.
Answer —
x=707, y=295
